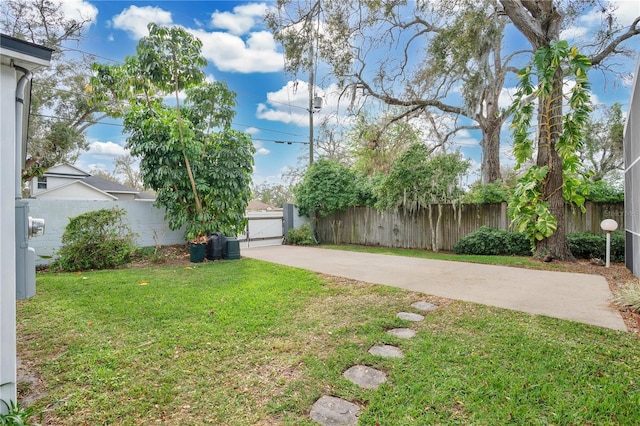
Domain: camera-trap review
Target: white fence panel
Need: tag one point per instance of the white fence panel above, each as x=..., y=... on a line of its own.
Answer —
x=263, y=229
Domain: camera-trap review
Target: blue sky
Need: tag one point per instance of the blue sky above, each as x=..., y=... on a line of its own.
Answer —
x=242, y=52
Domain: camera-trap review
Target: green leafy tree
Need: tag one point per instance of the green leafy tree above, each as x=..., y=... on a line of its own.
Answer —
x=375, y=142
x=420, y=180
x=444, y=45
x=327, y=186
x=496, y=192
x=199, y=167
x=559, y=139
x=60, y=110
x=602, y=151
x=275, y=194
x=540, y=23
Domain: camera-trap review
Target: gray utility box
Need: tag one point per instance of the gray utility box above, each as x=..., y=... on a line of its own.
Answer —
x=26, y=227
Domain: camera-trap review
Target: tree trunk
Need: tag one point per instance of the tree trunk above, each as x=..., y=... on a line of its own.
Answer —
x=491, y=150
x=539, y=22
x=550, y=129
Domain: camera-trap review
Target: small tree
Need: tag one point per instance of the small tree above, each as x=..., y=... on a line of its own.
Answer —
x=418, y=180
x=199, y=167
x=327, y=186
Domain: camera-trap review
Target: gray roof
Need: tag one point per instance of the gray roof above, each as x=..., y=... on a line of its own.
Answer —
x=115, y=188
x=107, y=185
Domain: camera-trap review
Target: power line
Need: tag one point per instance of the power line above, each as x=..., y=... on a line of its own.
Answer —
x=121, y=125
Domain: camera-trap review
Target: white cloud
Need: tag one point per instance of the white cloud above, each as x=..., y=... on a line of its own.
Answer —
x=573, y=33
x=260, y=149
x=230, y=53
x=506, y=97
x=241, y=20
x=106, y=148
x=626, y=11
x=134, y=20
x=252, y=130
x=290, y=105
x=79, y=10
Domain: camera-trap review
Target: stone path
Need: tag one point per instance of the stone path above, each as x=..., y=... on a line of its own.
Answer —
x=332, y=411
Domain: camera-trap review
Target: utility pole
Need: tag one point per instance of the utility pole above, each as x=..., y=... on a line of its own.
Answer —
x=311, y=86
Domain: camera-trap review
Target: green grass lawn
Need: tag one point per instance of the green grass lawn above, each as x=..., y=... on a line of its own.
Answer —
x=248, y=342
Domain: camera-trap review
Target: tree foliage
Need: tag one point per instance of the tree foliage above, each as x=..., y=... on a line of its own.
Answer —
x=540, y=23
x=529, y=207
x=602, y=152
x=375, y=142
x=442, y=47
x=273, y=194
x=199, y=167
x=60, y=111
x=417, y=179
x=327, y=186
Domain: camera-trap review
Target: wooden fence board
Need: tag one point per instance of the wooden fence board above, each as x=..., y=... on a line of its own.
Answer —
x=368, y=226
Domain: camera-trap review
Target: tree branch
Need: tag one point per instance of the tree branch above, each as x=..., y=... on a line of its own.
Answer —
x=610, y=48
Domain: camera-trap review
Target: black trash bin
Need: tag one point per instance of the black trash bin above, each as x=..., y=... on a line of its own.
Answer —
x=216, y=246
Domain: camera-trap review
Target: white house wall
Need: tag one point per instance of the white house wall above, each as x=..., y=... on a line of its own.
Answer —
x=75, y=191
x=7, y=236
x=632, y=179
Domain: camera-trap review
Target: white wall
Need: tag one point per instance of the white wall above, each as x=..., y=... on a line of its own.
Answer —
x=632, y=179
x=7, y=235
x=142, y=217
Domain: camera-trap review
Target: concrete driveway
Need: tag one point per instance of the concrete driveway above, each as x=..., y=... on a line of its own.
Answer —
x=576, y=297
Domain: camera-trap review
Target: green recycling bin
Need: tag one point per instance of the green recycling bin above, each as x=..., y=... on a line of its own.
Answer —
x=233, y=248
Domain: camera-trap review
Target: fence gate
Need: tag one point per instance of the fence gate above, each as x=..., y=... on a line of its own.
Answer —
x=263, y=229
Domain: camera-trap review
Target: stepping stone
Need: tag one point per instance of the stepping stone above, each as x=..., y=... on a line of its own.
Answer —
x=409, y=316
x=365, y=377
x=403, y=333
x=424, y=306
x=387, y=351
x=332, y=411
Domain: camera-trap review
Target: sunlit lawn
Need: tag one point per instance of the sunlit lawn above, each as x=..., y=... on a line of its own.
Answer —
x=248, y=342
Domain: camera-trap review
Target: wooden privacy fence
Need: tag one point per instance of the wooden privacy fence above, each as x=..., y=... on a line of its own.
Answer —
x=368, y=226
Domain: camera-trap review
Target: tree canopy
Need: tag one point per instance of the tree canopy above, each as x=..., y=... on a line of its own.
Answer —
x=60, y=110
x=327, y=186
x=199, y=167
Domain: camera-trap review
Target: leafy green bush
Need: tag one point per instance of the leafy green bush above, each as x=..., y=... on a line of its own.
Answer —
x=95, y=240
x=479, y=193
x=490, y=241
x=604, y=192
x=302, y=236
x=585, y=245
x=327, y=186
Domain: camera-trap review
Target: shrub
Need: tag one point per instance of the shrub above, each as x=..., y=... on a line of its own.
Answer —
x=604, y=192
x=95, y=240
x=586, y=245
x=489, y=241
x=302, y=236
x=479, y=193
